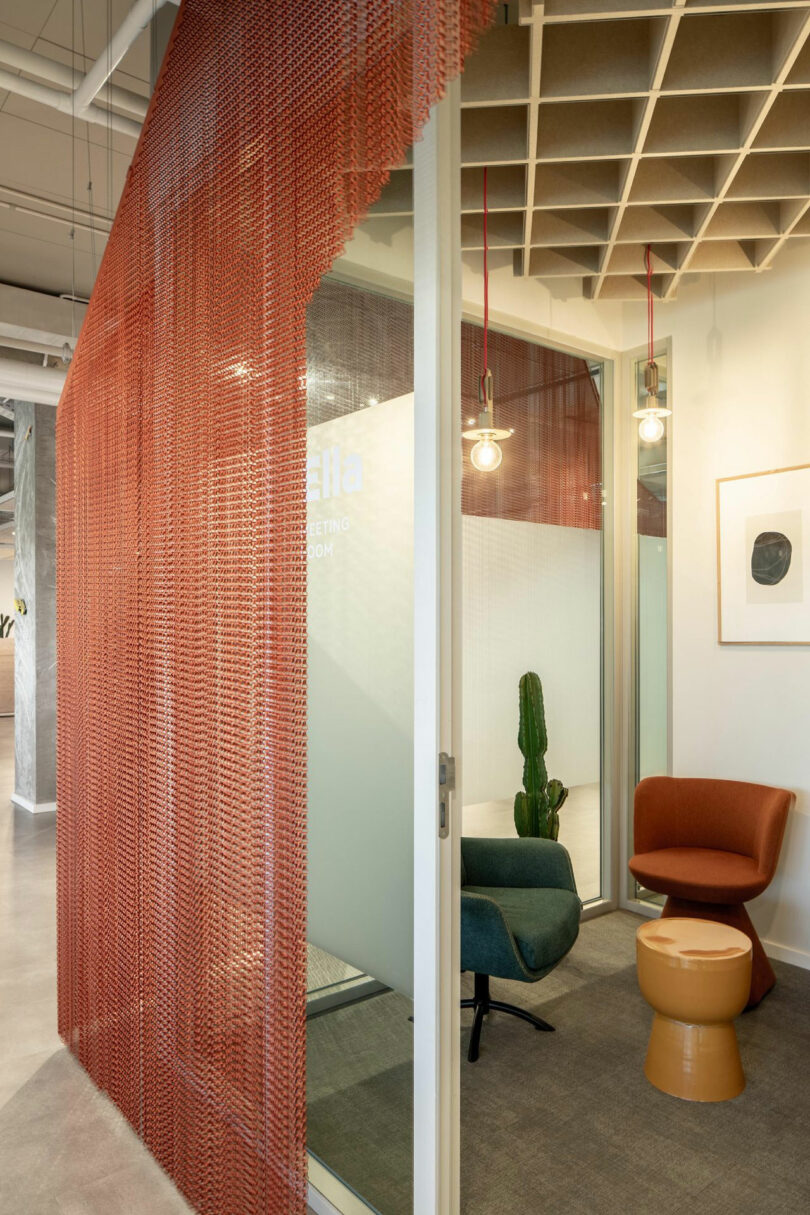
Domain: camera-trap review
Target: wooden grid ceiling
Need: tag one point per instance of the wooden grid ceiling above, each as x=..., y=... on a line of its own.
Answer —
x=610, y=124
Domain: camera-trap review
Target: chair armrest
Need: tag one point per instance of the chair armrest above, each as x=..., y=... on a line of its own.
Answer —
x=487, y=945
x=525, y=863
x=776, y=806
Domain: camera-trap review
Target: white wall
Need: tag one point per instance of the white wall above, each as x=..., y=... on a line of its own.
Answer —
x=531, y=602
x=741, y=401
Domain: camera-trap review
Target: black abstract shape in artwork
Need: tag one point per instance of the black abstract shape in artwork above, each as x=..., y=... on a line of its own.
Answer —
x=770, y=558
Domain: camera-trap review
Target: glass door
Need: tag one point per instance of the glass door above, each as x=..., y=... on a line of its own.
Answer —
x=535, y=545
x=382, y=1029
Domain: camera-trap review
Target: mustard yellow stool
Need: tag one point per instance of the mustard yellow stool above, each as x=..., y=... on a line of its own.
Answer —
x=696, y=975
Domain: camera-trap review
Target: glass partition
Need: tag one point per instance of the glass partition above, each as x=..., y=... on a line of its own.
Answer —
x=652, y=593
x=360, y=740
x=533, y=590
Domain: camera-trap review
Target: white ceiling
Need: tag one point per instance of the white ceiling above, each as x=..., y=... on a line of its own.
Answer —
x=602, y=121
x=39, y=156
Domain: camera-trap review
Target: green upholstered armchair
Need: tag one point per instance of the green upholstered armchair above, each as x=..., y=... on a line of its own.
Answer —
x=519, y=917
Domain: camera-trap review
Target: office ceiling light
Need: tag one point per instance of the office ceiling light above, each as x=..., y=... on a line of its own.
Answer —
x=651, y=426
x=486, y=453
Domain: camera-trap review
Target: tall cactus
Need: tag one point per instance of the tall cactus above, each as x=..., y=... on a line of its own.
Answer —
x=537, y=807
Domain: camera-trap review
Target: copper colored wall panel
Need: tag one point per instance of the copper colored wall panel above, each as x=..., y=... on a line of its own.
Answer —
x=181, y=573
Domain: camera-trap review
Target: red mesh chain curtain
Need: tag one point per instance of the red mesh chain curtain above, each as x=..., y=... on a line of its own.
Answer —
x=552, y=465
x=181, y=572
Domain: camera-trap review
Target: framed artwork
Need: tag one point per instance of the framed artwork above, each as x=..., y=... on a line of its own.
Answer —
x=763, y=558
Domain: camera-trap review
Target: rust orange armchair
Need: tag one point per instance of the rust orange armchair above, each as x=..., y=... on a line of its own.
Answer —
x=710, y=846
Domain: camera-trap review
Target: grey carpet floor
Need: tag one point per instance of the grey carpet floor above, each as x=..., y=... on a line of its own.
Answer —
x=566, y=1123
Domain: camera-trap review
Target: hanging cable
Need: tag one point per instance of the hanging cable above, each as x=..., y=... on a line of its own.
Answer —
x=72, y=184
x=650, y=314
x=651, y=427
x=486, y=277
x=651, y=370
x=486, y=455
x=90, y=206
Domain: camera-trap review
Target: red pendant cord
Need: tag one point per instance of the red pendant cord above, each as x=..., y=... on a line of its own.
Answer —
x=650, y=319
x=486, y=277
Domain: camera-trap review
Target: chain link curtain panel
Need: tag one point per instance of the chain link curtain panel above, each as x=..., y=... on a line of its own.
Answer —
x=181, y=441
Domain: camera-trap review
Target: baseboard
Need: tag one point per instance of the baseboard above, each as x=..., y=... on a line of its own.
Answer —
x=786, y=953
x=25, y=803
x=318, y=1204
x=328, y=1195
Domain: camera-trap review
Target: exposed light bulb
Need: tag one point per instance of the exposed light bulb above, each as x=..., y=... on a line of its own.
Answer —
x=486, y=455
x=650, y=429
x=373, y=401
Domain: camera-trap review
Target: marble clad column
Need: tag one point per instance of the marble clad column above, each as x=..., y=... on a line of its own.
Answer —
x=35, y=629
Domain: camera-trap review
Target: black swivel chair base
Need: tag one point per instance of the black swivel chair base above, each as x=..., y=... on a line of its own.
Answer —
x=482, y=1003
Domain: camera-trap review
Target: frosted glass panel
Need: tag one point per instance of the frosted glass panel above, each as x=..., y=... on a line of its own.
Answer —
x=359, y=541
x=360, y=615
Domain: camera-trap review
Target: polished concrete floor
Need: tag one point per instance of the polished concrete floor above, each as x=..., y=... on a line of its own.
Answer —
x=64, y=1148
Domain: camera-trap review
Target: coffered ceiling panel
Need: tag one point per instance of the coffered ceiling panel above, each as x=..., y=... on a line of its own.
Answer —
x=608, y=125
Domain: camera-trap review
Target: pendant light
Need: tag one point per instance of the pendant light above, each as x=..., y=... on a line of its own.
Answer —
x=486, y=454
x=651, y=427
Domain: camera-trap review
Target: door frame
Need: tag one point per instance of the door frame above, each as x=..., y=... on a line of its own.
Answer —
x=437, y=490
x=437, y=495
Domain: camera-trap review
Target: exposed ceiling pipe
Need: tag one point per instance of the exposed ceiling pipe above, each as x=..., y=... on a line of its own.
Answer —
x=30, y=382
x=80, y=103
x=12, y=343
x=101, y=226
x=137, y=19
x=65, y=102
x=65, y=209
x=63, y=76
x=34, y=316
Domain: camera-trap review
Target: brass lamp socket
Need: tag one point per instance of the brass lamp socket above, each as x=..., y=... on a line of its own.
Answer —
x=485, y=390
x=651, y=379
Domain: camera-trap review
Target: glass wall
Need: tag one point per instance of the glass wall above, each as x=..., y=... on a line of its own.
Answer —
x=652, y=600
x=652, y=594
x=532, y=589
x=360, y=732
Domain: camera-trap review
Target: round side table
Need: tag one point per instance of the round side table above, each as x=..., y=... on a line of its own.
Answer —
x=696, y=975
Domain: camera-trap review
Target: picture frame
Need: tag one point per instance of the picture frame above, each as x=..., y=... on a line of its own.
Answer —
x=763, y=557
